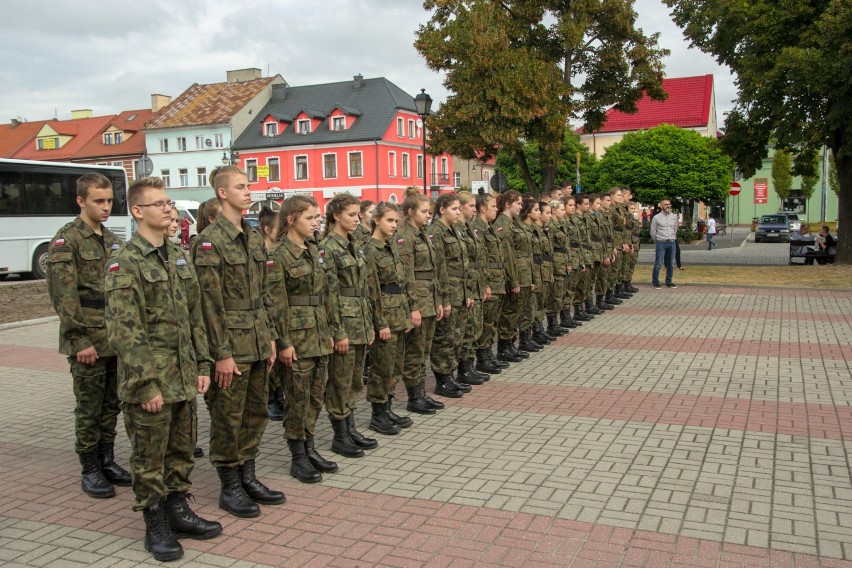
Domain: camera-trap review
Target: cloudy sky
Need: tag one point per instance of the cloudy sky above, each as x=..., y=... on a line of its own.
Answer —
x=110, y=55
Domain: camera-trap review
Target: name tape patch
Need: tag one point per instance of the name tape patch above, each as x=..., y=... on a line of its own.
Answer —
x=180, y=262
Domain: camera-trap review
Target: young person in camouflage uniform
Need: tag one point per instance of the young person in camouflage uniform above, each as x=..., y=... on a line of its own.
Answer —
x=155, y=325
x=561, y=294
x=268, y=227
x=517, y=262
x=231, y=263
x=541, y=227
x=75, y=284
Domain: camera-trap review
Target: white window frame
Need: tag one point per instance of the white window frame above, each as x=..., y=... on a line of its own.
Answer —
x=181, y=143
x=118, y=164
x=335, y=120
x=199, y=143
x=392, y=164
x=456, y=179
x=118, y=137
x=349, y=163
x=164, y=145
x=270, y=129
x=300, y=123
x=400, y=127
x=166, y=176
x=296, y=167
x=183, y=177
x=251, y=170
x=420, y=163
x=219, y=140
x=445, y=165
x=412, y=130
x=277, y=165
x=406, y=165
x=202, y=176
x=333, y=155
x=108, y=138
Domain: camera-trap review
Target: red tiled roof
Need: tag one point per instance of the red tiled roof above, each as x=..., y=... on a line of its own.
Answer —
x=208, y=104
x=128, y=121
x=13, y=137
x=82, y=130
x=687, y=106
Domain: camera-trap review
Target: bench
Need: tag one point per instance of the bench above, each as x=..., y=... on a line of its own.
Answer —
x=801, y=249
x=720, y=229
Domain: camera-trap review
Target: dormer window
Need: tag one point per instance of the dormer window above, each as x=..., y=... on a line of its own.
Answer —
x=304, y=126
x=108, y=138
x=118, y=137
x=270, y=129
x=338, y=123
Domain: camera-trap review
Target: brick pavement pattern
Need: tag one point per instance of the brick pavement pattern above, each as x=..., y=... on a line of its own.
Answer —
x=693, y=427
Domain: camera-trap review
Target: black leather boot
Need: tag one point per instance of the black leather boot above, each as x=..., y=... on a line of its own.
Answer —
x=198, y=452
x=580, y=315
x=527, y=344
x=93, y=481
x=114, y=473
x=553, y=327
x=517, y=351
x=484, y=364
x=258, y=492
x=381, y=422
x=444, y=388
x=160, y=540
x=506, y=353
x=471, y=364
x=185, y=523
x=320, y=463
x=458, y=384
x=539, y=335
x=341, y=443
x=603, y=304
x=360, y=439
x=591, y=308
x=232, y=497
x=566, y=321
x=611, y=299
x=275, y=413
x=436, y=404
x=620, y=292
x=300, y=466
x=468, y=374
x=630, y=287
x=400, y=421
x=489, y=353
x=416, y=403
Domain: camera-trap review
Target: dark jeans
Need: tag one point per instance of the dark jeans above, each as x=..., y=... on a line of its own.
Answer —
x=664, y=254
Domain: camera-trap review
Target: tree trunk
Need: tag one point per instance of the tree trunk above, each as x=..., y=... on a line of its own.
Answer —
x=525, y=171
x=548, y=177
x=844, y=206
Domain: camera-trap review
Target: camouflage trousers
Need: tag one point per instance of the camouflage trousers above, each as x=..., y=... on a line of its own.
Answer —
x=631, y=264
x=97, y=406
x=510, y=314
x=386, y=368
x=472, y=331
x=447, y=343
x=161, y=446
x=557, y=294
x=543, y=297
x=589, y=282
x=490, y=313
x=597, y=280
x=528, y=310
x=578, y=285
x=345, y=381
x=238, y=415
x=304, y=390
x=617, y=272
x=418, y=343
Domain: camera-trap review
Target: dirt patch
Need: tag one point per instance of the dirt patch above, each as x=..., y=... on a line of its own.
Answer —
x=24, y=301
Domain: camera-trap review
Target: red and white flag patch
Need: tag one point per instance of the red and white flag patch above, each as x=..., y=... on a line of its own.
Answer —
x=114, y=267
x=270, y=263
x=59, y=242
x=206, y=246
x=400, y=241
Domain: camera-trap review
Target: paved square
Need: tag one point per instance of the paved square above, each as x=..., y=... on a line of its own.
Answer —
x=703, y=426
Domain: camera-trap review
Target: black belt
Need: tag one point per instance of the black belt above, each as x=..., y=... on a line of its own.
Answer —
x=424, y=275
x=392, y=289
x=562, y=250
x=538, y=260
x=455, y=273
x=667, y=240
x=93, y=302
x=497, y=265
x=304, y=300
x=547, y=257
x=352, y=293
x=254, y=304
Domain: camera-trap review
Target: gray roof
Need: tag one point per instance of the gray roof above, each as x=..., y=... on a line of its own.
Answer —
x=375, y=105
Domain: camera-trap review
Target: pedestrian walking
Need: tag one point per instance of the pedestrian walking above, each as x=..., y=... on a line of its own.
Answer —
x=711, y=233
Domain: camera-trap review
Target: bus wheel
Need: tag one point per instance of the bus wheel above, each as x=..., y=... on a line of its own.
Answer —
x=40, y=262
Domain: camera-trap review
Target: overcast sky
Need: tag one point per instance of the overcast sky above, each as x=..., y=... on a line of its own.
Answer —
x=110, y=55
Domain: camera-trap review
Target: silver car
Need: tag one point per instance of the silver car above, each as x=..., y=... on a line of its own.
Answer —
x=795, y=224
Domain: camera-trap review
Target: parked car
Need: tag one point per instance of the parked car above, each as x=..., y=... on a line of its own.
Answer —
x=795, y=224
x=775, y=226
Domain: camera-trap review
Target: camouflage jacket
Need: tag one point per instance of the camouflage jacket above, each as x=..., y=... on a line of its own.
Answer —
x=523, y=248
x=451, y=255
x=238, y=311
x=579, y=255
x=546, y=248
x=421, y=270
x=155, y=323
x=635, y=227
x=361, y=235
x=304, y=297
x=617, y=223
x=390, y=302
x=535, y=253
x=557, y=230
x=75, y=284
x=494, y=275
x=595, y=235
x=504, y=229
x=475, y=278
x=349, y=283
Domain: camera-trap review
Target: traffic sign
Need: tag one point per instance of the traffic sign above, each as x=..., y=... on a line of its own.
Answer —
x=736, y=188
x=499, y=183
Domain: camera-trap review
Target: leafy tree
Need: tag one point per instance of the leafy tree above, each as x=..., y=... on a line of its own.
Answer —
x=793, y=60
x=782, y=179
x=667, y=162
x=833, y=182
x=518, y=70
x=566, y=166
x=809, y=180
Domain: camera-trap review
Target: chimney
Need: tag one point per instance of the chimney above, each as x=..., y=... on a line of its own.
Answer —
x=81, y=113
x=159, y=102
x=279, y=92
x=359, y=81
x=15, y=122
x=242, y=75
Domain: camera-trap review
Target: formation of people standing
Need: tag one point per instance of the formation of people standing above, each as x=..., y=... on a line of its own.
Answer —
x=283, y=321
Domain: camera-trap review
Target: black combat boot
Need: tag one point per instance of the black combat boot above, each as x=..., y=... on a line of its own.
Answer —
x=541, y=336
x=184, y=522
x=114, y=473
x=232, y=497
x=258, y=492
x=471, y=364
x=93, y=481
x=580, y=315
x=360, y=439
x=198, y=452
x=468, y=374
x=527, y=344
x=566, y=321
x=300, y=466
x=444, y=388
x=611, y=299
x=603, y=304
x=591, y=308
x=484, y=364
x=160, y=540
x=630, y=287
x=621, y=292
x=320, y=463
x=274, y=410
x=458, y=384
x=381, y=422
x=341, y=443
x=506, y=353
x=517, y=351
x=553, y=327
x=436, y=404
x=500, y=364
x=400, y=421
x=416, y=403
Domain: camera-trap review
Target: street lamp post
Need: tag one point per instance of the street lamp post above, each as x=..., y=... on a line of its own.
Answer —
x=230, y=156
x=423, y=104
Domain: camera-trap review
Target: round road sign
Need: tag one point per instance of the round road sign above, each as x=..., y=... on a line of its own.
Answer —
x=736, y=188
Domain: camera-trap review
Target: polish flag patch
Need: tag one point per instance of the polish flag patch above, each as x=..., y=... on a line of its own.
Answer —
x=322, y=252
x=400, y=241
x=114, y=267
x=270, y=263
x=59, y=242
x=206, y=246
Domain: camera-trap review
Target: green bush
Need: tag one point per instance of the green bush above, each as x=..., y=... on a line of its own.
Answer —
x=686, y=235
x=645, y=234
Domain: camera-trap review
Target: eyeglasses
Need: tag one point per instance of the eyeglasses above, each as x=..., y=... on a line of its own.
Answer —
x=159, y=205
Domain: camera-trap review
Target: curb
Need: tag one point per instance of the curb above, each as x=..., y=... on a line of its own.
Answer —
x=27, y=323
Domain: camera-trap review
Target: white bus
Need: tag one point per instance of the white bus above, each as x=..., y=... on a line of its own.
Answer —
x=36, y=199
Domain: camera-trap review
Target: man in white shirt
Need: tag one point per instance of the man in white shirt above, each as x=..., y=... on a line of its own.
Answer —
x=711, y=232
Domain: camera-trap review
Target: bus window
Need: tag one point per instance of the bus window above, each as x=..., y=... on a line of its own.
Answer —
x=47, y=194
x=11, y=198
